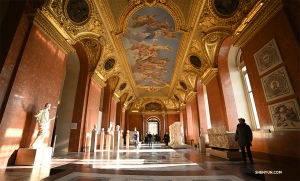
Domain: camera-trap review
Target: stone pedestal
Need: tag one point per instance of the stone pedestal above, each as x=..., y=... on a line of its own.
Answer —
x=176, y=146
x=127, y=140
x=94, y=141
x=112, y=140
x=28, y=156
x=108, y=141
x=202, y=144
x=226, y=154
x=116, y=140
x=102, y=135
x=122, y=143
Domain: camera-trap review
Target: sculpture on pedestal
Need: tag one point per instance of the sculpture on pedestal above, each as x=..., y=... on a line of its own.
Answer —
x=44, y=123
x=176, y=135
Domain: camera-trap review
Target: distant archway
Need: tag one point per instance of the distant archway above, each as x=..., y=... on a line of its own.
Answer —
x=153, y=125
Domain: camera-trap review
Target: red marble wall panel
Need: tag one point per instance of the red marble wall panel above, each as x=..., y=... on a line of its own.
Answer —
x=12, y=56
x=201, y=107
x=216, y=103
x=135, y=120
x=113, y=112
x=228, y=95
x=192, y=120
x=93, y=104
x=170, y=119
x=119, y=113
x=106, y=107
x=77, y=136
x=38, y=80
x=183, y=116
x=282, y=143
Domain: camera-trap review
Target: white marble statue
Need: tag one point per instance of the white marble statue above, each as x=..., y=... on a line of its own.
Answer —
x=44, y=123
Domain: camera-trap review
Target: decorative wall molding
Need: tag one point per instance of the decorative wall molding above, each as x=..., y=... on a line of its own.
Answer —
x=209, y=75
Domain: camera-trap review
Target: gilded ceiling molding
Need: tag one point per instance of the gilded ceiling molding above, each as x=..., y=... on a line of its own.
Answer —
x=191, y=96
x=93, y=49
x=98, y=80
x=263, y=11
x=41, y=21
x=192, y=78
x=115, y=98
x=212, y=43
x=184, y=48
x=209, y=75
x=113, y=82
x=170, y=104
x=212, y=18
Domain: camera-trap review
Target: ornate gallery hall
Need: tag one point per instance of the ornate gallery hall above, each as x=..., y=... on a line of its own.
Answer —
x=149, y=164
x=84, y=83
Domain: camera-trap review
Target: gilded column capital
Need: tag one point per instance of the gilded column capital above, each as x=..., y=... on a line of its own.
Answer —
x=115, y=98
x=98, y=80
x=209, y=75
x=191, y=96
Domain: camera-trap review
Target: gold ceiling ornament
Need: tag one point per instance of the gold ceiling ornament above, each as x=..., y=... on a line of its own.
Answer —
x=148, y=2
x=98, y=80
x=115, y=97
x=209, y=75
x=212, y=43
x=192, y=78
x=123, y=97
x=151, y=100
x=113, y=82
x=170, y=104
x=42, y=22
x=153, y=89
x=211, y=18
x=261, y=13
x=191, y=95
x=93, y=49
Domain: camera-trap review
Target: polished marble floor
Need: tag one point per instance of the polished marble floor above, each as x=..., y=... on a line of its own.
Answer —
x=148, y=164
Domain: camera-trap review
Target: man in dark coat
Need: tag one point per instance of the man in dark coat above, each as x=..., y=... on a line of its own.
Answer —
x=149, y=139
x=243, y=136
x=166, y=138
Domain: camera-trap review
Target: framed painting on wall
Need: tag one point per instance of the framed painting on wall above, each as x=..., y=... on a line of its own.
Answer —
x=277, y=84
x=285, y=115
x=267, y=57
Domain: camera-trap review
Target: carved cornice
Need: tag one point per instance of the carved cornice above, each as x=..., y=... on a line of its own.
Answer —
x=263, y=11
x=184, y=48
x=115, y=98
x=191, y=96
x=209, y=75
x=211, y=44
x=41, y=21
x=98, y=80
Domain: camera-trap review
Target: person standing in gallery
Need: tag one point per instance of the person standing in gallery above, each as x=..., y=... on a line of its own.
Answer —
x=166, y=138
x=243, y=136
x=149, y=139
x=146, y=138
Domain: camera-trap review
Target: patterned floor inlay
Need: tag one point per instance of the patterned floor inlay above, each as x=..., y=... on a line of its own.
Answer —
x=77, y=176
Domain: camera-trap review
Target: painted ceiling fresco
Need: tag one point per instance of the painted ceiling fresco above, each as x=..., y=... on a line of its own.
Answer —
x=151, y=45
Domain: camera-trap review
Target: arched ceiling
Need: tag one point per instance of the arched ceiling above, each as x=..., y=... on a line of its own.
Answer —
x=151, y=51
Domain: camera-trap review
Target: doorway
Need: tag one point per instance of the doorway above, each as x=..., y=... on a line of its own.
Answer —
x=153, y=125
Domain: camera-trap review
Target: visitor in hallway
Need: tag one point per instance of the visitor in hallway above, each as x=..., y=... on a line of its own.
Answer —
x=146, y=138
x=166, y=138
x=149, y=139
x=243, y=136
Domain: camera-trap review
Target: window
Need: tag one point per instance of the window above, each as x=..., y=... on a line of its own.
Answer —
x=250, y=99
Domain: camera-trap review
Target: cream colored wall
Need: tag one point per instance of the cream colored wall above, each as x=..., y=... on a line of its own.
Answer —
x=65, y=110
x=237, y=84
